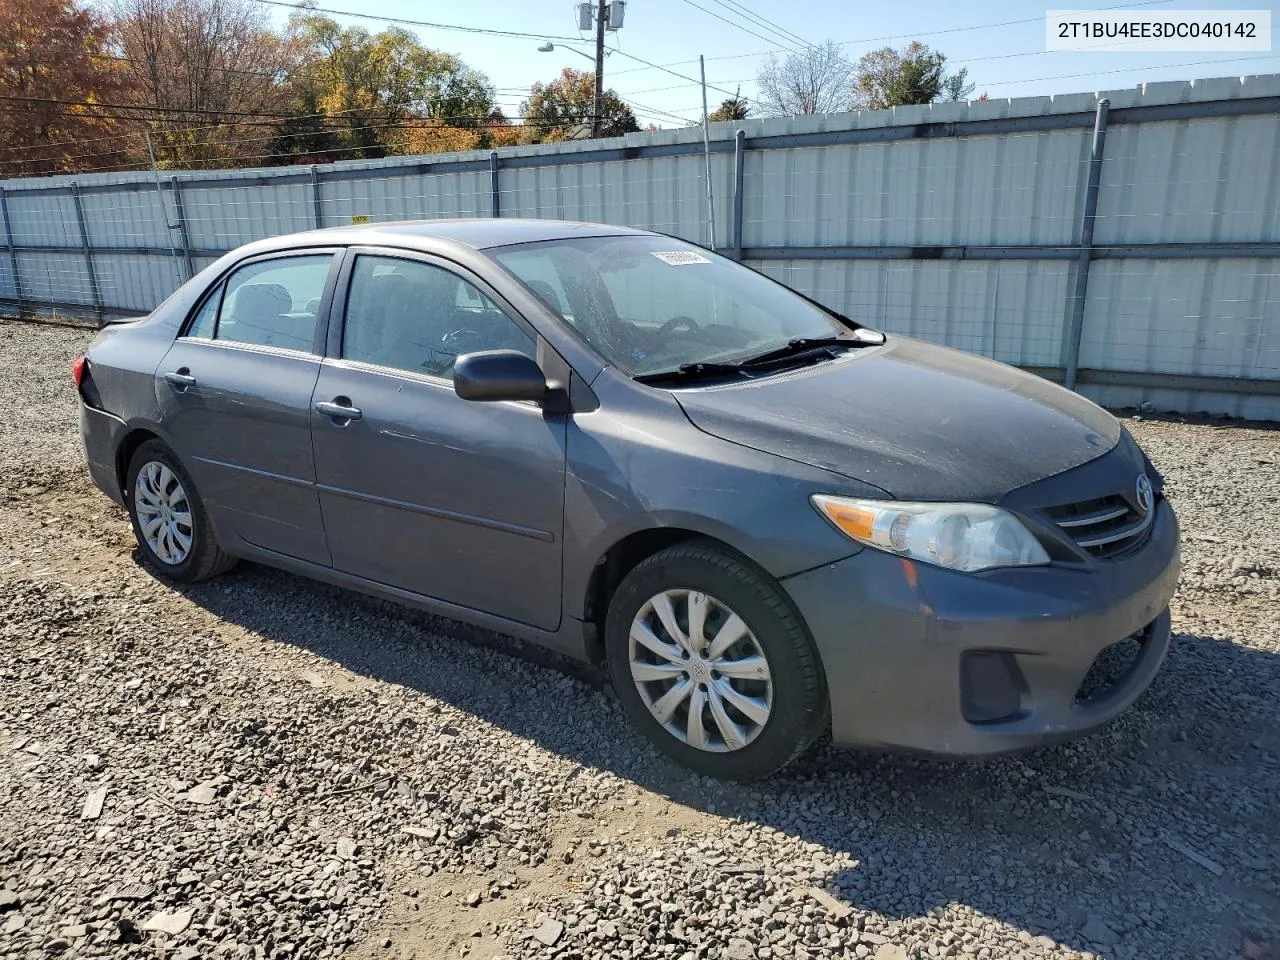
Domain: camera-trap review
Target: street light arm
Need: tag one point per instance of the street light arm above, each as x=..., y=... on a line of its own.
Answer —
x=550, y=47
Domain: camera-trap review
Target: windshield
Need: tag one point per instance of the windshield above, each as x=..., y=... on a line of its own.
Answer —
x=652, y=304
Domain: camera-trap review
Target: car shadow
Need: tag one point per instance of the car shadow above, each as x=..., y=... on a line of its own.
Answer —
x=1164, y=822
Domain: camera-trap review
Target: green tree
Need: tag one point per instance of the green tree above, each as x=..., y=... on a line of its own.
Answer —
x=956, y=87
x=734, y=108
x=915, y=74
x=378, y=87
x=305, y=136
x=560, y=109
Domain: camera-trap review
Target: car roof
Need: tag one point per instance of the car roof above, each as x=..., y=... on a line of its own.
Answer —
x=477, y=233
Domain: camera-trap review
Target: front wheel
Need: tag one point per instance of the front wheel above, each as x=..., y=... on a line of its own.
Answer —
x=712, y=664
x=169, y=519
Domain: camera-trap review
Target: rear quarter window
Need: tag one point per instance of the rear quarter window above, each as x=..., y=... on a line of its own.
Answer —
x=206, y=318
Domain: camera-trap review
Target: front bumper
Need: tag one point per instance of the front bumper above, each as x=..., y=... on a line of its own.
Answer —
x=914, y=653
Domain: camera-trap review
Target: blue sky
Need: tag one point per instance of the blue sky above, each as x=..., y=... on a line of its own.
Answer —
x=1005, y=59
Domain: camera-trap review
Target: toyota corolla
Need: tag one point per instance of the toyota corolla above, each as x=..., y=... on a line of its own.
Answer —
x=765, y=518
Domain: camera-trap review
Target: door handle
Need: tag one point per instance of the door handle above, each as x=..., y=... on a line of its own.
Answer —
x=180, y=379
x=339, y=411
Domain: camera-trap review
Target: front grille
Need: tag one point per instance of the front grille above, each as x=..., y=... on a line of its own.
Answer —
x=1105, y=527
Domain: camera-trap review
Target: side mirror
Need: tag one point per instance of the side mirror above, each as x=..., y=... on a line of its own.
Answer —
x=498, y=375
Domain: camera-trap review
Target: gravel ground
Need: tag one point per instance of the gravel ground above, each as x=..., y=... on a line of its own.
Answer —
x=260, y=766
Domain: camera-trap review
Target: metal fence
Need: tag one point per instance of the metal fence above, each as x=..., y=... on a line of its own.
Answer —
x=1126, y=241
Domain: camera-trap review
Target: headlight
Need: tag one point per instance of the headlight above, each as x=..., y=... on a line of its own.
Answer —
x=959, y=536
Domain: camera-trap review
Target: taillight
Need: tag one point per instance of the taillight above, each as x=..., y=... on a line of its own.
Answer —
x=79, y=370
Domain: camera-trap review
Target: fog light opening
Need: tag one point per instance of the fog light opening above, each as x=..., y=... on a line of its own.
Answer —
x=992, y=687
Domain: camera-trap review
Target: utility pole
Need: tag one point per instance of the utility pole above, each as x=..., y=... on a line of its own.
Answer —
x=601, y=20
x=169, y=227
x=706, y=150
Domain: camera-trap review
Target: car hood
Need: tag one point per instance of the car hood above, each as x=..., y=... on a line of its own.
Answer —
x=919, y=421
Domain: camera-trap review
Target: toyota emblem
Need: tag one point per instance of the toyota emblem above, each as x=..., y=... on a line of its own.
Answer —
x=1144, y=494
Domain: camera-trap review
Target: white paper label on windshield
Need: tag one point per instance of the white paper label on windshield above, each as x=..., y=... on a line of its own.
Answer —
x=679, y=258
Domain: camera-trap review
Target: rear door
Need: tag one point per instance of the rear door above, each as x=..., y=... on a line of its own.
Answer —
x=235, y=391
x=421, y=490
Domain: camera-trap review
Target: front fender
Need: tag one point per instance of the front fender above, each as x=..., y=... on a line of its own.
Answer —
x=634, y=472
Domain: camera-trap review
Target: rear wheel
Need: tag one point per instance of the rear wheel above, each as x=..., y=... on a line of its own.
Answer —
x=169, y=520
x=712, y=664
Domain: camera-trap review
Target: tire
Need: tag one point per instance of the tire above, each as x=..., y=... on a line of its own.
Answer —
x=202, y=558
x=795, y=691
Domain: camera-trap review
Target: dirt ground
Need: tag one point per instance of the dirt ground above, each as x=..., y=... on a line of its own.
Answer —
x=291, y=770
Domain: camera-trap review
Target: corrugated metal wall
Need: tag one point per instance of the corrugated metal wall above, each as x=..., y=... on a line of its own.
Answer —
x=957, y=223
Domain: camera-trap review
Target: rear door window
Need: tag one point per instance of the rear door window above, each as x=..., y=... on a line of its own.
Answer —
x=273, y=303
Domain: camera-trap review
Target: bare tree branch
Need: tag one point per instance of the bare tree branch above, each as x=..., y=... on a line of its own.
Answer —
x=207, y=56
x=814, y=80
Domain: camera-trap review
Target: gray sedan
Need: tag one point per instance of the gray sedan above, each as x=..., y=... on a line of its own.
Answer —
x=766, y=518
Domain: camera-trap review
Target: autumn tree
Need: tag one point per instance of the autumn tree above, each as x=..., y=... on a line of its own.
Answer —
x=204, y=65
x=435, y=136
x=56, y=78
x=815, y=79
x=734, y=108
x=560, y=108
x=913, y=75
x=501, y=132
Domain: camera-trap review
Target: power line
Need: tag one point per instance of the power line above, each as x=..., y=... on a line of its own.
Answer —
x=241, y=118
x=264, y=74
x=96, y=106
x=422, y=124
x=1067, y=76
x=654, y=111
x=737, y=25
x=417, y=23
x=763, y=21
x=1002, y=83
x=828, y=48
x=504, y=33
x=1005, y=56
x=658, y=66
x=124, y=135
x=411, y=124
x=94, y=110
x=544, y=124
x=900, y=36
x=143, y=108
x=679, y=86
x=988, y=26
x=1036, y=53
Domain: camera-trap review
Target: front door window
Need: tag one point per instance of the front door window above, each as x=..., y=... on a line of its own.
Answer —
x=415, y=316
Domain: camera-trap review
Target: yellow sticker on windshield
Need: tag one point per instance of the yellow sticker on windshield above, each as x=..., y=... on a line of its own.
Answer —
x=678, y=258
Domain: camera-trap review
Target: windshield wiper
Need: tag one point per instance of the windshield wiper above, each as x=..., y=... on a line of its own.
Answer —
x=798, y=347
x=694, y=371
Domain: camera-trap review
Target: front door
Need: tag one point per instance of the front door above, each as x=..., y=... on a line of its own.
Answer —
x=235, y=393
x=421, y=490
